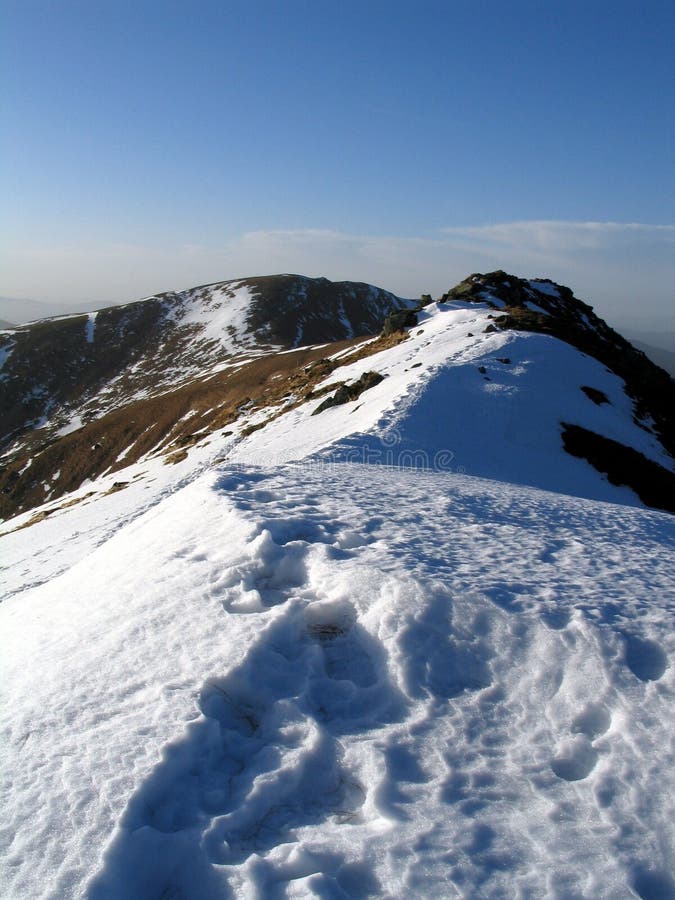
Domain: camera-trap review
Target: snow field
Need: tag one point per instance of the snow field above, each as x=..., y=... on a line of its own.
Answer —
x=346, y=681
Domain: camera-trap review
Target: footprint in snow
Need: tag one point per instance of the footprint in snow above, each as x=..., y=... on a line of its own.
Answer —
x=645, y=658
x=576, y=757
x=556, y=618
x=262, y=761
x=349, y=686
x=444, y=661
x=267, y=578
x=593, y=721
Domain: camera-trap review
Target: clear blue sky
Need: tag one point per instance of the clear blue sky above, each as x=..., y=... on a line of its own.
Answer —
x=143, y=143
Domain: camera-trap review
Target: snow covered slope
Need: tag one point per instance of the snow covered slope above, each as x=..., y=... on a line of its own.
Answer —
x=457, y=398
x=503, y=378
x=324, y=623
x=333, y=680
x=59, y=373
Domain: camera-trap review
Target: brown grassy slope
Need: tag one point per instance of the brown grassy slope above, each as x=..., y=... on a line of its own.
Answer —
x=146, y=348
x=170, y=423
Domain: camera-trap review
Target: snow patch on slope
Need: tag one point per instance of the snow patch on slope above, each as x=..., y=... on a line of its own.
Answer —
x=90, y=327
x=221, y=313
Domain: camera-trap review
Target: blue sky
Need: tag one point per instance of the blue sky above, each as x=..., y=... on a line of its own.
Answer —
x=154, y=145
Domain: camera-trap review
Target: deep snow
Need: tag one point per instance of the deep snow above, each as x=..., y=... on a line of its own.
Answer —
x=457, y=399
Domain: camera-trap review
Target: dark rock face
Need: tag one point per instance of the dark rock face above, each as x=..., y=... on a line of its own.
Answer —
x=653, y=484
x=345, y=393
x=296, y=311
x=399, y=321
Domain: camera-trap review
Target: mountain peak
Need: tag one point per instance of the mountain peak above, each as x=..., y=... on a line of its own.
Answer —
x=541, y=306
x=501, y=290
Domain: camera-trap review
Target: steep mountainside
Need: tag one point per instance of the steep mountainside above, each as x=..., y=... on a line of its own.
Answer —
x=542, y=306
x=663, y=358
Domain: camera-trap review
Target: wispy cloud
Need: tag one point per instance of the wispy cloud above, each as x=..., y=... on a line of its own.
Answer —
x=626, y=270
x=559, y=237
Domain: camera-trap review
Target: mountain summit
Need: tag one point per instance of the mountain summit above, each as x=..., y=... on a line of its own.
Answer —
x=78, y=367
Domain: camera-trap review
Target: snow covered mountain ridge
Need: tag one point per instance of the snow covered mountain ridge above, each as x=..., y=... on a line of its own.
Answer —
x=77, y=367
x=89, y=395
x=385, y=617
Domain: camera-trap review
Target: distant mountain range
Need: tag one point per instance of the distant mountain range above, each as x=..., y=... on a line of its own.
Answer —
x=87, y=395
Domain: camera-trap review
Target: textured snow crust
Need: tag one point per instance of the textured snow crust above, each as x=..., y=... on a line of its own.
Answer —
x=333, y=680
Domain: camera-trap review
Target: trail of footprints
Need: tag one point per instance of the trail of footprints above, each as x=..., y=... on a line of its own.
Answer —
x=277, y=766
x=577, y=755
x=266, y=759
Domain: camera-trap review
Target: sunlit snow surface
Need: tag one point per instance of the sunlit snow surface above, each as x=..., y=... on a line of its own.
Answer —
x=340, y=681
x=319, y=679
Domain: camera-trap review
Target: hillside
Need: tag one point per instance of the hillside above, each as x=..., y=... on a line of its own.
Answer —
x=504, y=378
x=659, y=355
x=60, y=373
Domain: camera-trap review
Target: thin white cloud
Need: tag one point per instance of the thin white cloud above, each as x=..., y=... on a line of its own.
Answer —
x=560, y=236
x=626, y=270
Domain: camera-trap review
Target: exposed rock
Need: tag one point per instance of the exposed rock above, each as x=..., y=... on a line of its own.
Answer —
x=345, y=393
x=653, y=484
x=399, y=321
x=598, y=397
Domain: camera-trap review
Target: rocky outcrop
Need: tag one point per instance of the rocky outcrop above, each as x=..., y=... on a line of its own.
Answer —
x=399, y=321
x=540, y=305
x=348, y=392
